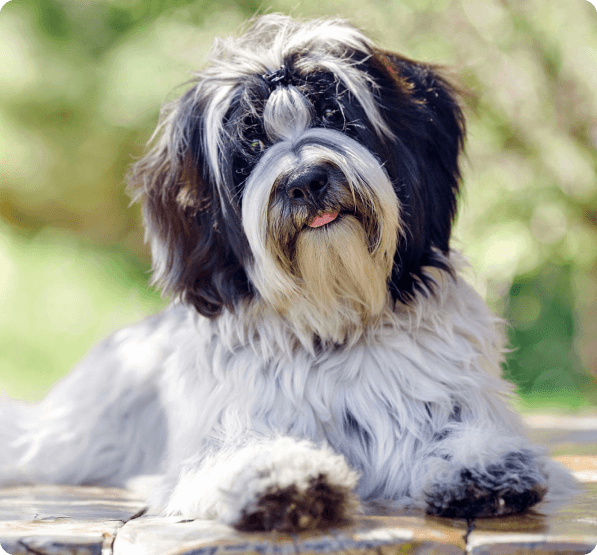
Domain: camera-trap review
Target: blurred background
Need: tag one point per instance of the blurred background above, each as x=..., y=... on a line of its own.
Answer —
x=81, y=83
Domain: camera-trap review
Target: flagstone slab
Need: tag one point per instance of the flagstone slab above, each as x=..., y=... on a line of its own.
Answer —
x=379, y=535
x=572, y=530
x=69, y=520
x=57, y=520
x=564, y=435
x=43, y=502
x=51, y=538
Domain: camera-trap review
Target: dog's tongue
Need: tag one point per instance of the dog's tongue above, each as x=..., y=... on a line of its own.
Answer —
x=325, y=218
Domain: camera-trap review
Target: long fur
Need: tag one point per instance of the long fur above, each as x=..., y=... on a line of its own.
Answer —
x=301, y=367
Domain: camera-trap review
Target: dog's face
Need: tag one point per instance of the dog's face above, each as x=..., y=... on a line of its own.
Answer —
x=305, y=169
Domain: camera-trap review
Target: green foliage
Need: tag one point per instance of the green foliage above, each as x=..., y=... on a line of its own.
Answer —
x=81, y=84
x=544, y=363
x=58, y=296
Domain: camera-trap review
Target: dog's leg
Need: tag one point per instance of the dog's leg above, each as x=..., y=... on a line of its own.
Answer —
x=102, y=423
x=479, y=470
x=279, y=484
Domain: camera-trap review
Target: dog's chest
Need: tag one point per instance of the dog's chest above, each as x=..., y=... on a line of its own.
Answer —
x=368, y=401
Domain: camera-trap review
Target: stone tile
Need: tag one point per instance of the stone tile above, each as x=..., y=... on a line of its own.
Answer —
x=370, y=534
x=58, y=537
x=564, y=435
x=57, y=520
x=50, y=501
x=572, y=530
x=561, y=422
x=584, y=467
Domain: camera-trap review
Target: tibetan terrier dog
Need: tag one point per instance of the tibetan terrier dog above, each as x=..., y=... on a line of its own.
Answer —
x=323, y=349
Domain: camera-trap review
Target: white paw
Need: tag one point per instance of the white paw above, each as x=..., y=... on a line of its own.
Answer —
x=290, y=485
x=283, y=484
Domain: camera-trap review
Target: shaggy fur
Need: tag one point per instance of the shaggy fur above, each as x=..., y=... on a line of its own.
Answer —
x=322, y=347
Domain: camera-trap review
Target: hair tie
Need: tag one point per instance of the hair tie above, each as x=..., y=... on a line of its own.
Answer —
x=280, y=76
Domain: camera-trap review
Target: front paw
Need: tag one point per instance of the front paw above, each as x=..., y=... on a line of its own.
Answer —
x=292, y=486
x=504, y=488
x=290, y=509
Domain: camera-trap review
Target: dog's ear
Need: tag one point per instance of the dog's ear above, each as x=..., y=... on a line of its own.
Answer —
x=422, y=108
x=193, y=256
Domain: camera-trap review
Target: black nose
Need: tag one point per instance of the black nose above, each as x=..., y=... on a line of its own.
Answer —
x=309, y=185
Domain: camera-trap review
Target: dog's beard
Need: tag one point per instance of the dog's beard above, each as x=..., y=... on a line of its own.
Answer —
x=329, y=281
x=344, y=285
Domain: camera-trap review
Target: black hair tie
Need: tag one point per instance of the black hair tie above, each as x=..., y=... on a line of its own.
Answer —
x=280, y=77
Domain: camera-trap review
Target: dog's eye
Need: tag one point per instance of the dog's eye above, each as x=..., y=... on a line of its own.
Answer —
x=331, y=115
x=257, y=145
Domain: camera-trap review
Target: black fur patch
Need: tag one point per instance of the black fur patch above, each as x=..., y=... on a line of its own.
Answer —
x=509, y=487
x=290, y=510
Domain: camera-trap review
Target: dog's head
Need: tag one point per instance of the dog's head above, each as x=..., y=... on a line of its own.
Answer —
x=306, y=169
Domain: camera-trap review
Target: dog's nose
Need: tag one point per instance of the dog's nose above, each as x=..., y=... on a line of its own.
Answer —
x=310, y=185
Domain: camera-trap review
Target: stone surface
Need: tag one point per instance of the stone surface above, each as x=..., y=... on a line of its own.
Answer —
x=51, y=538
x=50, y=501
x=564, y=435
x=380, y=535
x=572, y=530
x=60, y=520
x=57, y=520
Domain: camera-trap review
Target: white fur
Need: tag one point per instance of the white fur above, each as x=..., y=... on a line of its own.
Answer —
x=226, y=389
x=233, y=480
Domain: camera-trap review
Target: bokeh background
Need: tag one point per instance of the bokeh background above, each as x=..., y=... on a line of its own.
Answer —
x=81, y=82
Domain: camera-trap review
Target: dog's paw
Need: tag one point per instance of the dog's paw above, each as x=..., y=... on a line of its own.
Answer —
x=504, y=488
x=292, y=509
x=292, y=486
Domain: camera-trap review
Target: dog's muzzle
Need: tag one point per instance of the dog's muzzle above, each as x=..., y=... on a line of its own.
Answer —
x=313, y=189
x=311, y=180
x=307, y=186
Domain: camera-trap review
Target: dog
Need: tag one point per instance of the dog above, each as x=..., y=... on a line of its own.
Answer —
x=322, y=349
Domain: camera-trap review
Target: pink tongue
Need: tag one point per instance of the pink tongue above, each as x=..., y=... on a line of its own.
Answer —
x=325, y=218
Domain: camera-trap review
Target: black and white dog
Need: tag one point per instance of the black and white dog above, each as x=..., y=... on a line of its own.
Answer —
x=323, y=349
